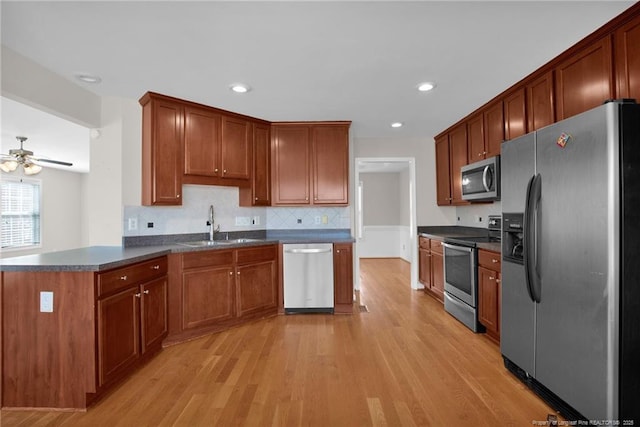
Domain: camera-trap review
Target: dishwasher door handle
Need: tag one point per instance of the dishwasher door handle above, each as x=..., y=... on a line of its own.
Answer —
x=307, y=251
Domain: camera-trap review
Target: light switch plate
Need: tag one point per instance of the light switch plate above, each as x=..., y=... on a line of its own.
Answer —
x=46, y=302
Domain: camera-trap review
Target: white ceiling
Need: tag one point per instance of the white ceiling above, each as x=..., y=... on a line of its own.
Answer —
x=326, y=60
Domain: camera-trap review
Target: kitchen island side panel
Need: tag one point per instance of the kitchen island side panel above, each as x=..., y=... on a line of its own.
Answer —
x=48, y=358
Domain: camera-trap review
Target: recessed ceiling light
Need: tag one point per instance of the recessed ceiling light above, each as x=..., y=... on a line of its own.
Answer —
x=240, y=88
x=426, y=86
x=396, y=124
x=88, y=78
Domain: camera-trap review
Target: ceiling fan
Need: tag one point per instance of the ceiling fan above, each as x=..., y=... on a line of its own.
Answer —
x=20, y=156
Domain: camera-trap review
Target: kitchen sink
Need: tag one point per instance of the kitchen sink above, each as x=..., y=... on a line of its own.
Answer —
x=207, y=243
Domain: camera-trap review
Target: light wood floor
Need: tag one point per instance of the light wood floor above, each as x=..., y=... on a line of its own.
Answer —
x=405, y=362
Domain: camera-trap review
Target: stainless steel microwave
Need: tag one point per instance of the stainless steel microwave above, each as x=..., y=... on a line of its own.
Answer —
x=481, y=180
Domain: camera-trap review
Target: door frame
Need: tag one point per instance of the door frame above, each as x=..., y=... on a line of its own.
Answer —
x=413, y=236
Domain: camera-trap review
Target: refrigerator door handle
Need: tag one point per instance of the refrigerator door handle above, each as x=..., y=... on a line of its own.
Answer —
x=485, y=173
x=531, y=237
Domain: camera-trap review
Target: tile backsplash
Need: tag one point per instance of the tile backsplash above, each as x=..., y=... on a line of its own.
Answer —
x=192, y=216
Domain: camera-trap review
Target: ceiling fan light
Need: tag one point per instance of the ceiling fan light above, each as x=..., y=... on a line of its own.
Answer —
x=31, y=168
x=8, y=165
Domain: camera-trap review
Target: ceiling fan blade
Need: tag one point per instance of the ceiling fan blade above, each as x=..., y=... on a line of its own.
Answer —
x=57, y=162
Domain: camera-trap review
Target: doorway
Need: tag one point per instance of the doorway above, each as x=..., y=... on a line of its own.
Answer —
x=375, y=239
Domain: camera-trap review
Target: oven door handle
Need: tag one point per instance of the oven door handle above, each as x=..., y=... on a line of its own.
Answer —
x=457, y=248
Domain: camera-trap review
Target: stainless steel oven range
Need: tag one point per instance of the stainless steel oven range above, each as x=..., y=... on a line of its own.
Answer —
x=461, y=274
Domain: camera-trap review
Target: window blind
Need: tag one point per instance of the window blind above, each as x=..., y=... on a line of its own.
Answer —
x=20, y=204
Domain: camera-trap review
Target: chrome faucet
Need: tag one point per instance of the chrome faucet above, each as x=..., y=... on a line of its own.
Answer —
x=212, y=228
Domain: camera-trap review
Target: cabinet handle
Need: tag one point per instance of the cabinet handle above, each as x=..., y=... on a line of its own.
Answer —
x=146, y=292
x=123, y=277
x=492, y=278
x=138, y=295
x=155, y=267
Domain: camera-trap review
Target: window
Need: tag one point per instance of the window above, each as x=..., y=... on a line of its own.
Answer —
x=20, y=201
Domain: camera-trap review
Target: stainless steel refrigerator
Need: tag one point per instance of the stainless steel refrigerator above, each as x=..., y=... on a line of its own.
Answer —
x=570, y=326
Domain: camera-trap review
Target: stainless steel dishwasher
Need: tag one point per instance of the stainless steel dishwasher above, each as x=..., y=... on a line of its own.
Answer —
x=308, y=278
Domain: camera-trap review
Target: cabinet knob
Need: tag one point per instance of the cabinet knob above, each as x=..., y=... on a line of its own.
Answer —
x=155, y=267
x=123, y=277
x=215, y=170
x=493, y=260
x=492, y=278
x=231, y=273
x=238, y=273
x=497, y=280
x=306, y=199
x=224, y=171
x=338, y=250
x=178, y=196
x=146, y=292
x=256, y=199
x=138, y=295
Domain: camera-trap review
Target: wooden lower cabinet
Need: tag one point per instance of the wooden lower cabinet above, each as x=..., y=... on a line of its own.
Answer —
x=343, y=278
x=213, y=290
x=489, y=292
x=430, y=267
x=102, y=327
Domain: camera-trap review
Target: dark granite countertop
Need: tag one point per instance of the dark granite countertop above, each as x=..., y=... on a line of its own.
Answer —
x=100, y=258
x=443, y=231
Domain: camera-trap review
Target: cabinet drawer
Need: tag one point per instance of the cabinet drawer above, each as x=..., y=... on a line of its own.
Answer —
x=113, y=280
x=424, y=242
x=212, y=258
x=257, y=254
x=490, y=260
x=436, y=246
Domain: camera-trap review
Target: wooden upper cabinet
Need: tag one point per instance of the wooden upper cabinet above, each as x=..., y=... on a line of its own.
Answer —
x=162, y=144
x=236, y=147
x=540, y=102
x=201, y=142
x=627, y=60
x=584, y=80
x=475, y=135
x=485, y=133
x=458, y=158
x=330, y=154
x=259, y=193
x=291, y=170
x=493, y=129
x=443, y=175
x=515, y=116
x=310, y=163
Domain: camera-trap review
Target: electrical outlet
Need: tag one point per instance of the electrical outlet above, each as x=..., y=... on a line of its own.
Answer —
x=133, y=224
x=46, y=302
x=149, y=225
x=478, y=219
x=325, y=219
x=256, y=220
x=317, y=220
x=299, y=220
x=243, y=220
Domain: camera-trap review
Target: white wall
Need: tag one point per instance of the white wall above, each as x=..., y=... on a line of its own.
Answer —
x=423, y=150
x=60, y=212
x=381, y=199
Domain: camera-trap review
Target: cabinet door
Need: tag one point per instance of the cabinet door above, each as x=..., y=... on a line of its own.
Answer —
x=343, y=277
x=475, y=134
x=424, y=267
x=515, y=118
x=162, y=147
x=291, y=154
x=458, y=153
x=443, y=175
x=437, y=269
x=201, y=142
x=236, y=148
x=208, y=296
x=153, y=313
x=627, y=60
x=257, y=287
x=488, y=298
x=118, y=333
x=261, y=181
x=540, y=102
x=493, y=129
x=330, y=154
x=584, y=81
